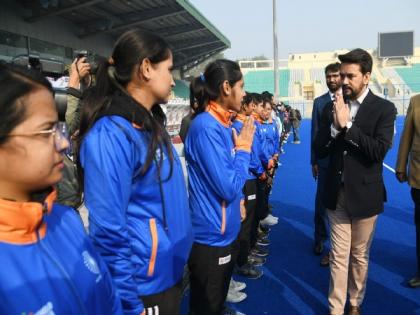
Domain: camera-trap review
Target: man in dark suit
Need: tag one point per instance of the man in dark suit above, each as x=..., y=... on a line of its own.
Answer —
x=319, y=166
x=356, y=135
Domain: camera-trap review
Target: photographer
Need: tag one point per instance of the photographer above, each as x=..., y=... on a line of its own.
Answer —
x=80, y=78
x=69, y=192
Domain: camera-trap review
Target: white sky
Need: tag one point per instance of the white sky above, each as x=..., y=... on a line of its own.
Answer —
x=308, y=26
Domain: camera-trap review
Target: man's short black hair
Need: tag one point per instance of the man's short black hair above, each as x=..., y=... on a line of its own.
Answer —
x=359, y=56
x=333, y=67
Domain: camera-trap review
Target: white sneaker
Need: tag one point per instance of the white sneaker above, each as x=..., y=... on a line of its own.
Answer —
x=236, y=285
x=272, y=217
x=235, y=296
x=269, y=221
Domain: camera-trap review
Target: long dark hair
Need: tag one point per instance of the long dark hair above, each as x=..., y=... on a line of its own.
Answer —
x=208, y=86
x=16, y=81
x=113, y=76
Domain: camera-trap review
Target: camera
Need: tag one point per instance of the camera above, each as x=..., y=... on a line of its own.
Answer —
x=91, y=59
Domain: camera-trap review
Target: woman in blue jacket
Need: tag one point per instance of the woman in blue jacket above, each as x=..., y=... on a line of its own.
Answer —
x=48, y=264
x=133, y=182
x=218, y=162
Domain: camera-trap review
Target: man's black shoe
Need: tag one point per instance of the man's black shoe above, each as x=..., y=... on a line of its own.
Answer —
x=325, y=261
x=318, y=248
x=256, y=261
x=249, y=271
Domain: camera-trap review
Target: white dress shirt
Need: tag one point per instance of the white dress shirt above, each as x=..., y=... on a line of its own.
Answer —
x=354, y=108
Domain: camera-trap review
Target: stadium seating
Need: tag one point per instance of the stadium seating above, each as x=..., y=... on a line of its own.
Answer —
x=263, y=80
x=181, y=89
x=410, y=76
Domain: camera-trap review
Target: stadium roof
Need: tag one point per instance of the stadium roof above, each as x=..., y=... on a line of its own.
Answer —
x=192, y=37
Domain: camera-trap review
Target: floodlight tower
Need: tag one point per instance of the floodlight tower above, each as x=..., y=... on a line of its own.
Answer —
x=276, y=54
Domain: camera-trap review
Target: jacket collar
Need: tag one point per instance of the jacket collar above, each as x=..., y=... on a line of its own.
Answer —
x=241, y=117
x=219, y=113
x=20, y=222
x=125, y=107
x=257, y=117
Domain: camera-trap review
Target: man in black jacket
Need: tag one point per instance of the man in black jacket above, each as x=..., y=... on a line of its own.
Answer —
x=356, y=132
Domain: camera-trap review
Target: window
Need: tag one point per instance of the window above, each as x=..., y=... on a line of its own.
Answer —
x=50, y=51
x=308, y=95
x=12, y=45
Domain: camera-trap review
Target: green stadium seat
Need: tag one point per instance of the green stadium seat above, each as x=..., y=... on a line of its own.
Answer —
x=411, y=76
x=181, y=89
x=263, y=80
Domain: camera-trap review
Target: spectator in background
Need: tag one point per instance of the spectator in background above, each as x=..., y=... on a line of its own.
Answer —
x=68, y=189
x=186, y=121
x=408, y=162
x=319, y=165
x=295, y=118
x=133, y=181
x=79, y=79
x=48, y=263
x=286, y=122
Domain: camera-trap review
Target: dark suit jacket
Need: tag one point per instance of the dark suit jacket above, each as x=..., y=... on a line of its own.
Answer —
x=356, y=156
x=318, y=107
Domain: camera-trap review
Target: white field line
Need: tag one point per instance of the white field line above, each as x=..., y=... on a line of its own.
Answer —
x=389, y=167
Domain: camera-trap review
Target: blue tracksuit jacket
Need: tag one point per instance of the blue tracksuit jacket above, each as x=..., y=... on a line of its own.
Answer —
x=49, y=265
x=217, y=173
x=255, y=166
x=144, y=244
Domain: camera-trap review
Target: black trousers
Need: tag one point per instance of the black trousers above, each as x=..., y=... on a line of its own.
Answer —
x=261, y=210
x=262, y=199
x=243, y=243
x=210, y=271
x=320, y=215
x=165, y=303
x=415, y=195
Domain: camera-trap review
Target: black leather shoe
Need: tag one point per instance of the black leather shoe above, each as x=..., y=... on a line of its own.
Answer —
x=256, y=261
x=249, y=271
x=414, y=282
x=354, y=310
x=325, y=261
x=318, y=248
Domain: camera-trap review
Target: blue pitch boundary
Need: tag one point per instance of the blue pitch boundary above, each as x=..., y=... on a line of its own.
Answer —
x=293, y=281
